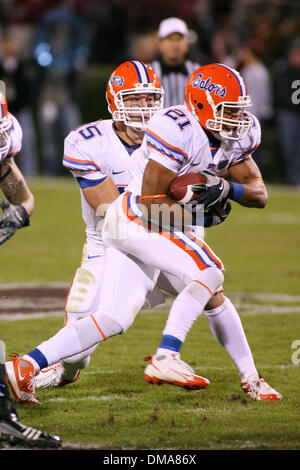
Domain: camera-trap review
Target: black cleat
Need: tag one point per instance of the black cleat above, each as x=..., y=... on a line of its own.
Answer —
x=14, y=433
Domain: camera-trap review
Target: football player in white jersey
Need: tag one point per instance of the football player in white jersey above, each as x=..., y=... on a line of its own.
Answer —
x=20, y=205
x=175, y=143
x=99, y=155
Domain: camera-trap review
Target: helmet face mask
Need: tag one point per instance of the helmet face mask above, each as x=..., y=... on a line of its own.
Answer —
x=135, y=115
x=138, y=81
x=234, y=128
x=217, y=96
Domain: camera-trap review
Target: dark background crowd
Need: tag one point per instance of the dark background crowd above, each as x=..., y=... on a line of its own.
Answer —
x=56, y=57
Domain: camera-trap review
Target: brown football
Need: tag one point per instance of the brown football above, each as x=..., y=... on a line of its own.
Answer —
x=181, y=188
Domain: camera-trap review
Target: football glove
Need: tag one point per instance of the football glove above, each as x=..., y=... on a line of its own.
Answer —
x=217, y=214
x=12, y=218
x=214, y=190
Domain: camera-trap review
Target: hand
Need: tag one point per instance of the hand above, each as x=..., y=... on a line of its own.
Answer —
x=12, y=219
x=217, y=214
x=214, y=190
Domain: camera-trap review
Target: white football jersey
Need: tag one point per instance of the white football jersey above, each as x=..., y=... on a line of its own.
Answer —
x=92, y=152
x=175, y=139
x=16, y=136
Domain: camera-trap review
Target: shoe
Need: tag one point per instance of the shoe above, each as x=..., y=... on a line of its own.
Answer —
x=14, y=433
x=53, y=377
x=170, y=369
x=255, y=387
x=20, y=374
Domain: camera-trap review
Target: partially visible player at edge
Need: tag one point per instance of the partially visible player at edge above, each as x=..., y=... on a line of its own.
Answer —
x=16, y=213
x=174, y=144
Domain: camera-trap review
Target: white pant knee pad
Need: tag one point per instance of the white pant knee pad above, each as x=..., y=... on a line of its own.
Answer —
x=211, y=278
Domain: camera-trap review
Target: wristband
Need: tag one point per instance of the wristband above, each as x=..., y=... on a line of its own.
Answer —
x=236, y=191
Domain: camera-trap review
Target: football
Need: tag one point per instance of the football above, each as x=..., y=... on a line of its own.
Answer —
x=181, y=187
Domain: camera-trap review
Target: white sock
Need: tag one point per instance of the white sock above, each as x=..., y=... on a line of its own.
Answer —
x=227, y=328
x=71, y=340
x=186, y=308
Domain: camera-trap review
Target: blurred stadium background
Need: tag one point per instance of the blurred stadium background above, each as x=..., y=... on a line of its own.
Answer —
x=56, y=56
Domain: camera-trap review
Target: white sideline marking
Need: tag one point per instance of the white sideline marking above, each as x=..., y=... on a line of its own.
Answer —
x=30, y=285
x=30, y=316
x=217, y=410
x=91, y=398
x=102, y=371
x=203, y=367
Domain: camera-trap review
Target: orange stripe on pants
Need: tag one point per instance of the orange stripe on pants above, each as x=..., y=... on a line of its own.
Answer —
x=183, y=246
x=98, y=327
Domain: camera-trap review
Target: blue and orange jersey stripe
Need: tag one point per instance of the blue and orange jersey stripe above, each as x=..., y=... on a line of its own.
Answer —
x=77, y=163
x=171, y=148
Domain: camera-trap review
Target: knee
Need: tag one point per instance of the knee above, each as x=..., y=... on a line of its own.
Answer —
x=216, y=301
x=212, y=278
x=216, y=305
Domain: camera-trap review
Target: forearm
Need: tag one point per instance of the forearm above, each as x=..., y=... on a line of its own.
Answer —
x=250, y=194
x=14, y=186
x=253, y=192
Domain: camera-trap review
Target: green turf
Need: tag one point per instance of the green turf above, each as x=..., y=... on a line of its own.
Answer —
x=50, y=249
x=111, y=406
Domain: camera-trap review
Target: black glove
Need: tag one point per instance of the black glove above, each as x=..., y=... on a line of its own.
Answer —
x=12, y=218
x=217, y=214
x=214, y=190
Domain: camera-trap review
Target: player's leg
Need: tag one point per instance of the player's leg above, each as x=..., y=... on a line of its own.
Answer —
x=183, y=257
x=179, y=255
x=227, y=328
x=82, y=300
x=124, y=286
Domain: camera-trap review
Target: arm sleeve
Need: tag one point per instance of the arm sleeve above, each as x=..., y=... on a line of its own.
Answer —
x=80, y=164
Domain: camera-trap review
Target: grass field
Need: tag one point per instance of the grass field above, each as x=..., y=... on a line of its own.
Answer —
x=110, y=406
